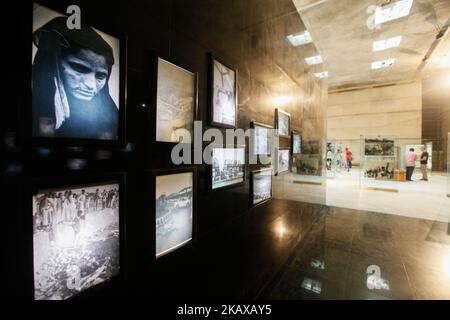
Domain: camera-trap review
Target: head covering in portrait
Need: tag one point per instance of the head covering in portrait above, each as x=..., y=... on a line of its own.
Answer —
x=65, y=104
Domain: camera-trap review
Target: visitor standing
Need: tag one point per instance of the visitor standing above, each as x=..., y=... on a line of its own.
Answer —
x=410, y=161
x=348, y=159
x=424, y=163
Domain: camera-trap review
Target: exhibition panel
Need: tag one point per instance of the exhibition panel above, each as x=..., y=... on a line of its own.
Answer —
x=379, y=162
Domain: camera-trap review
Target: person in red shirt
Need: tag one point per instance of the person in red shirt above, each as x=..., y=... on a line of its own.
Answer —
x=348, y=159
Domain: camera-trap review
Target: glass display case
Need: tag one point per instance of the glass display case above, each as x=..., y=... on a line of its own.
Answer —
x=379, y=166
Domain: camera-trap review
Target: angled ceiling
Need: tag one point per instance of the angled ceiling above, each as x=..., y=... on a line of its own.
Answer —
x=342, y=36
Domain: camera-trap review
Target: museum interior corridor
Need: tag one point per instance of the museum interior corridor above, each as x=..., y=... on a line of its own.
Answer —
x=122, y=180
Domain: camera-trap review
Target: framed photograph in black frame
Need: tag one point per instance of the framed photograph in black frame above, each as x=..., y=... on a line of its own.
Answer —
x=296, y=143
x=281, y=160
x=175, y=100
x=77, y=234
x=77, y=95
x=227, y=169
x=262, y=138
x=283, y=123
x=175, y=209
x=223, y=95
x=260, y=186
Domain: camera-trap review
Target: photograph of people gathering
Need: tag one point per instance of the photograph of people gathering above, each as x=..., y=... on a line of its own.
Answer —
x=76, y=239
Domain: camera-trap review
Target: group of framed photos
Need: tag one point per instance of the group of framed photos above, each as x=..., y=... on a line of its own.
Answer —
x=77, y=98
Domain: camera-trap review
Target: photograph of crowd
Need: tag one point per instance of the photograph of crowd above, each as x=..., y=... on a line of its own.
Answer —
x=76, y=79
x=174, y=211
x=175, y=103
x=262, y=186
x=379, y=169
x=228, y=167
x=379, y=147
x=75, y=239
x=308, y=165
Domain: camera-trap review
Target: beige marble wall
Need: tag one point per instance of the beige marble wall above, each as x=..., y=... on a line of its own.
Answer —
x=391, y=111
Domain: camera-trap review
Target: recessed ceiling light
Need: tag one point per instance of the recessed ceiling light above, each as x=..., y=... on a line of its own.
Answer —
x=398, y=9
x=382, y=64
x=387, y=44
x=314, y=60
x=300, y=38
x=321, y=75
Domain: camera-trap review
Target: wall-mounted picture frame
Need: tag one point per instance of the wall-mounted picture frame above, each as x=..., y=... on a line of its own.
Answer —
x=262, y=138
x=223, y=93
x=77, y=234
x=175, y=208
x=281, y=160
x=296, y=143
x=260, y=186
x=78, y=87
x=283, y=123
x=175, y=99
x=227, y=167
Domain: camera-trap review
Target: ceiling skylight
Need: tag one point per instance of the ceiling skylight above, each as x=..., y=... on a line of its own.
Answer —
x=300, y=38
x=383, y=64
x=387, y=44
x=396, y=10
x=314, y=60
x=321, y=75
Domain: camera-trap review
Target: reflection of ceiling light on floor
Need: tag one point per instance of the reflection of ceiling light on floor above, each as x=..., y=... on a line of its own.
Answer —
x=397, y=10
x=314, y=60
x=281, y=230
x=387, y=44
x=300, y=38
x=312, y=285
x=318, y=264
x=321, y=75
x=382, y=64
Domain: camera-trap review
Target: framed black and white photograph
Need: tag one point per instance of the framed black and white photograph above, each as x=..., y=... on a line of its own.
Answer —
x=78, y=82
x=296, y=142
x=379, y=147
x=260, y=186
x=228, y=167
x=174, y=209
x=282, y=160
x=262, y=138
x=76, y=236
x=176, y=102
x=223, y=94
x=283, y=123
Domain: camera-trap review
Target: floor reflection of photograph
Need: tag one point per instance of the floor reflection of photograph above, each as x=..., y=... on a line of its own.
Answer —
x=174, y=211
x=228, y=167
x=262, y=186
x=75, y=239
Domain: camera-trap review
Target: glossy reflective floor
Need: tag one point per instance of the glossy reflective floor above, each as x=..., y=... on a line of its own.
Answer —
x=413, y=257
x=417, y=199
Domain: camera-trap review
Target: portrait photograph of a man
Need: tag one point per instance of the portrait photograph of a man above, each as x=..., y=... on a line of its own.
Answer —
x=75, y=79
